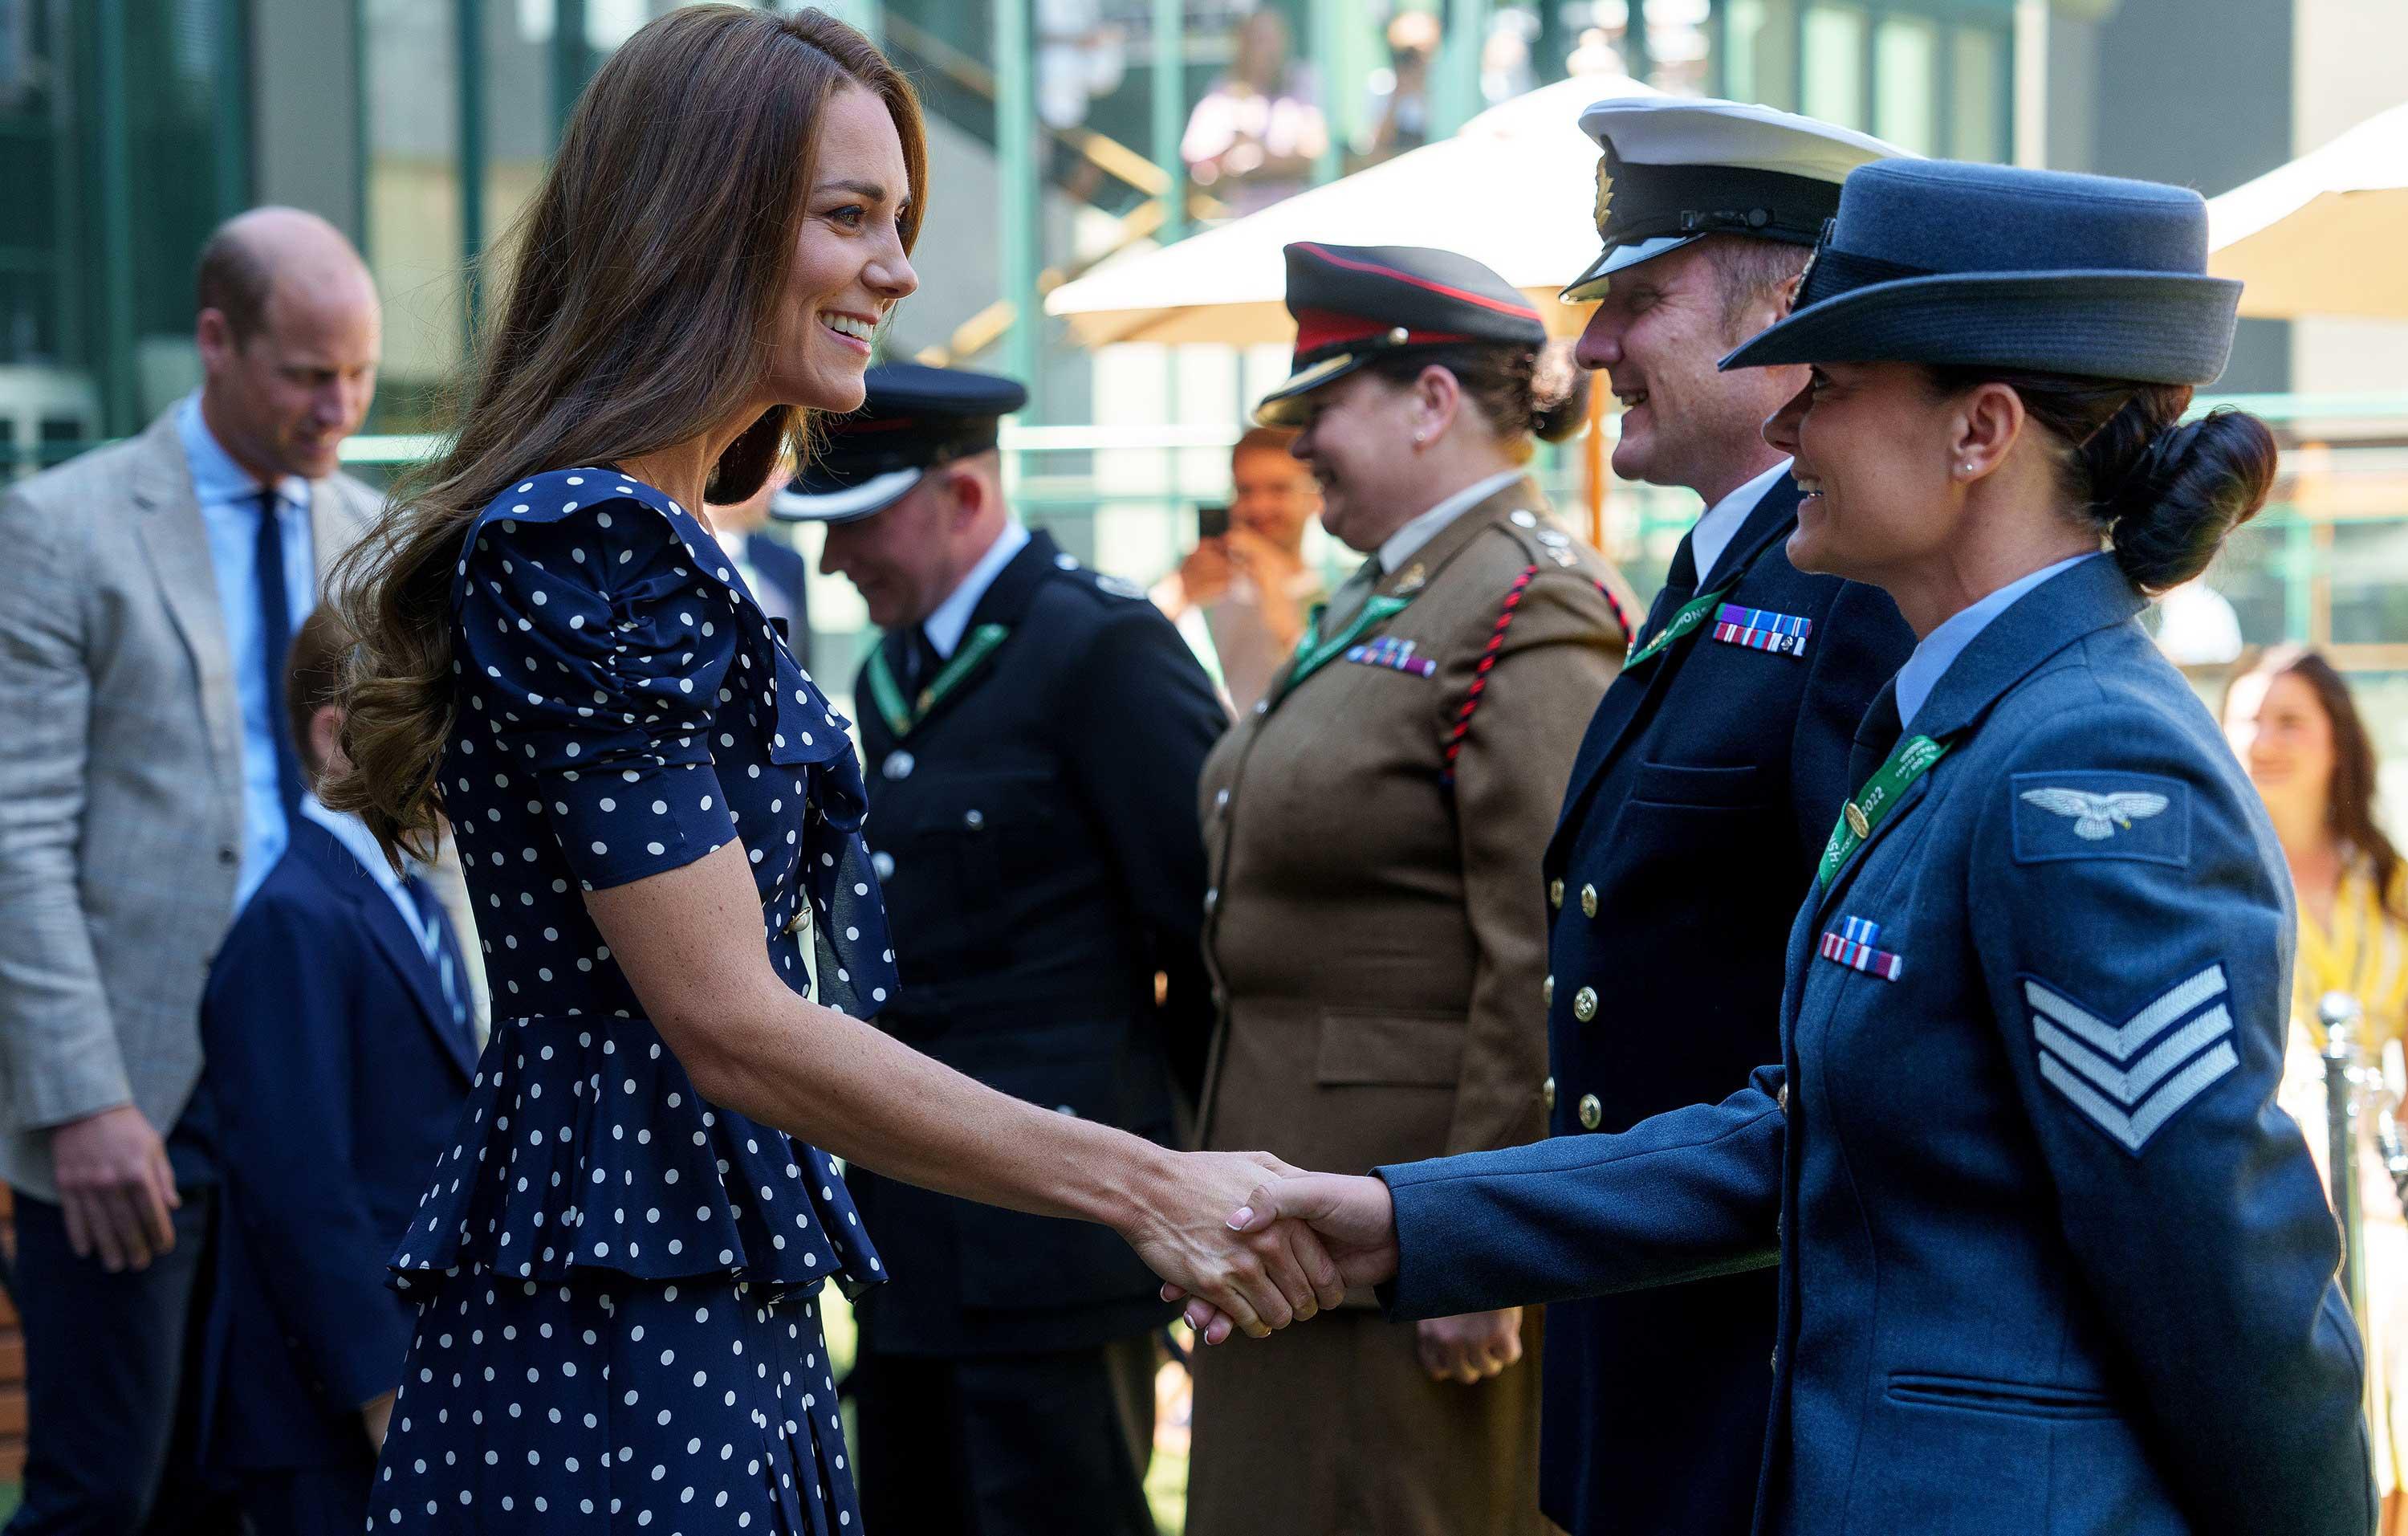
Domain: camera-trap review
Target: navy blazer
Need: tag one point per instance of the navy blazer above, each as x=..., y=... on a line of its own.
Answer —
x=335, y=1073
x=2051, y=1259
x=1697, y=807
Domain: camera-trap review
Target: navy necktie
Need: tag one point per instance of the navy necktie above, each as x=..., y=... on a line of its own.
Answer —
x=1875, y=737
x=1679, y=585
x=435, y=937
x=276, y=645
x=919, y=659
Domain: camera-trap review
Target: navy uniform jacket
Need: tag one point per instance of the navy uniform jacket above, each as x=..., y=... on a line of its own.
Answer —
x=1697, y=806
x=785, y=574
x=335, y=1073
x=1046, y=865
x=2051, y=1259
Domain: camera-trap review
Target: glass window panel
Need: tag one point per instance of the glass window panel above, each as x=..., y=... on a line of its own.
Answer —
x=1759, y=63
x=1906, y=77
x=413, y=196
x=2251, y=574
x=2370, y=583
x=1833, y=81
x=1977, y=118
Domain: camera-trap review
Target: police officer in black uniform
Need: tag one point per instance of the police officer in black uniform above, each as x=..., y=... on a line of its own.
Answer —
x=1033, y=732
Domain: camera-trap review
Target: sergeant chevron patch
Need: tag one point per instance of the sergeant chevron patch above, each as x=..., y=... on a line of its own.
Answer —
x=2131, y=1079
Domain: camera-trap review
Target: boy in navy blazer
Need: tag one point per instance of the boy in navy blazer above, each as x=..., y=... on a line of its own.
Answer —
x=341, y=1040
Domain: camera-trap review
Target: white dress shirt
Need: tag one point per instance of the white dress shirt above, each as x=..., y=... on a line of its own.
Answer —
x=1943, y=645
x=1720, y=524
x=945, y=625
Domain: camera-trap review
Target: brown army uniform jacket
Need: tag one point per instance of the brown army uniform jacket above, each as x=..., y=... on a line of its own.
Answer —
x=1376, y=930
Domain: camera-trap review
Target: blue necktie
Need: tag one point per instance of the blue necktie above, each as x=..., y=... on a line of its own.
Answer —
x=434, y=937
x=275, y=642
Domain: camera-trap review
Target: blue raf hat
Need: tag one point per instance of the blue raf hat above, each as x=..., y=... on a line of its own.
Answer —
x=915, y=418
x=1672, y=171
x=1994, y=267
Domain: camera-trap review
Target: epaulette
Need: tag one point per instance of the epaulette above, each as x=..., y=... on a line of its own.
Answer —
x=1119, y=587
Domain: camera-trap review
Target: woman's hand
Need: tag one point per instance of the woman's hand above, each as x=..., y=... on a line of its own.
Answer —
x=1353, y=1219
x=1471, y=1348
x=1256, y=1280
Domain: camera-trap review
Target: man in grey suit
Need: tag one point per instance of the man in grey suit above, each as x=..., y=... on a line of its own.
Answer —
x=147, y=593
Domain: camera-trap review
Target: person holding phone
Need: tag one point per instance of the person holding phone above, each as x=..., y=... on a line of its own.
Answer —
x=1247, y=577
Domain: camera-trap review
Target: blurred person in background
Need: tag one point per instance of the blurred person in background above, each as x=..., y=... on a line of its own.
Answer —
x=1375, y=927
x=340, y=999
x=777, y=576
x=1401, y=106
x=2295, y=728
x=1251, y=584
x=1255, y=136
x=1033, y=731
x=146, y=786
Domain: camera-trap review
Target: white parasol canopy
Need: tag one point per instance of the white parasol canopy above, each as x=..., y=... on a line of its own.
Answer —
x=1513, y=189
x=2323, y=235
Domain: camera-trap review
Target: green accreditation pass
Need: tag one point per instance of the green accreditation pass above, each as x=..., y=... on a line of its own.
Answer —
x=1879, y=796
x=901, y=716
x=1683, y=620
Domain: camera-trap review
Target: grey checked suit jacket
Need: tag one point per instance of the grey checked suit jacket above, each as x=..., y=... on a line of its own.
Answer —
x=121, y=784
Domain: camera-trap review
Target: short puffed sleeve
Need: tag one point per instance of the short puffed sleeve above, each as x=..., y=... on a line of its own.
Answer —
x=592, y=653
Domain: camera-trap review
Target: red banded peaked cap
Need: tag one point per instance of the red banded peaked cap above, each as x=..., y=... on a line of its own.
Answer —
x=1352, y=303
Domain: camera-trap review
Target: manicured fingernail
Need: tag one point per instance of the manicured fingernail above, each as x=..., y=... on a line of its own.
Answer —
x=1239, y=1218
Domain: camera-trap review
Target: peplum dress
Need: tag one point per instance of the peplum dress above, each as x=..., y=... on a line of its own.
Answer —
x=617, y=1282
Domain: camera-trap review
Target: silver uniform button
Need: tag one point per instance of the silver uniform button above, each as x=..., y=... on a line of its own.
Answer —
x=975, y=820
x=898, y=765
x=1523, y=520
x=1064, y=562
x=884, y=863
x=1262, y=706
x=1212, y=898
x=1220, y=799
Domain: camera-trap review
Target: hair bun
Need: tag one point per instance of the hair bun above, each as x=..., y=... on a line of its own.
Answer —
x=2181, y=491
x=1559, y=390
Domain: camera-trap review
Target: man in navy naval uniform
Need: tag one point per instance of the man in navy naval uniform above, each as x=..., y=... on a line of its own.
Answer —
x=1034, y=733
x=1705, y=786
x=341, y=1039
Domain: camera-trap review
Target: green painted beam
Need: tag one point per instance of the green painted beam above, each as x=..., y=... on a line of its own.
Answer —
x=1171, y=113
x=120, y=403
x=1016, y=191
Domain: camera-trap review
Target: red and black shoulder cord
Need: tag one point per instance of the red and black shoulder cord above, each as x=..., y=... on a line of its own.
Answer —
x=1489, y=654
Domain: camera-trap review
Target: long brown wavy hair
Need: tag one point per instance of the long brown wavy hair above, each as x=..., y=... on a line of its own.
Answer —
x=2350, y=796
x=641, y=305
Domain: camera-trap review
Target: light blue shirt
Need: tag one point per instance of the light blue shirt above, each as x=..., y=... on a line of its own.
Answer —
x=1929, y=663
x=945, y=625
x=229, y=501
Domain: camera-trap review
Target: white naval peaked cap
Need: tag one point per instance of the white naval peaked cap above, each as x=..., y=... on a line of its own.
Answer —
x=1675, y=170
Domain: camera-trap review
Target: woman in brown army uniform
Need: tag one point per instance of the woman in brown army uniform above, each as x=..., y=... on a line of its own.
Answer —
x=1376, y=927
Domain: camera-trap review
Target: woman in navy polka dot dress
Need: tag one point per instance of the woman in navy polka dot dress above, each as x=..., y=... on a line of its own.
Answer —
x=618, y=1264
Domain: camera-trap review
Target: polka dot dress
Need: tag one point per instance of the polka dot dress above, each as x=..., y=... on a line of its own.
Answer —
x=618, y=1326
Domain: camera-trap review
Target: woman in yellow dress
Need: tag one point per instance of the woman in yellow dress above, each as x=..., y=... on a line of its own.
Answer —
x=2297, y=730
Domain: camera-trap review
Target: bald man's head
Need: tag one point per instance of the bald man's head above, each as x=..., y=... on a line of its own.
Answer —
x=290, y=334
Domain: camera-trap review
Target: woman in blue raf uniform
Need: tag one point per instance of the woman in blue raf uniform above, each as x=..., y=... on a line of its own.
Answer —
x=659, y=816
x=2051, y=1259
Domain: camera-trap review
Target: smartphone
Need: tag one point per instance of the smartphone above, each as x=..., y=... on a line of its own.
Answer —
x=1211, y=522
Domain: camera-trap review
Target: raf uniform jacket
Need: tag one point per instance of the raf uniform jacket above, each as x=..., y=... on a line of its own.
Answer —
x=2051, y=1261
x=1032, y=814
x=1376, y=930
x=1697, y=806
x=337, y=1069
x=121, y=786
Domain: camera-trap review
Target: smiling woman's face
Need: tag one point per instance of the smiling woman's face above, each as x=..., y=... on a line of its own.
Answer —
x=1873, y=450
x=849, y=268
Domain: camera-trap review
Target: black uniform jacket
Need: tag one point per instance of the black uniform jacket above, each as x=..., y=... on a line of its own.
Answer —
x=1047, y=864
x=1697, y=807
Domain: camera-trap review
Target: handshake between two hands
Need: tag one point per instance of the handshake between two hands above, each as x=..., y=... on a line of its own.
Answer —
x=1290, y=1245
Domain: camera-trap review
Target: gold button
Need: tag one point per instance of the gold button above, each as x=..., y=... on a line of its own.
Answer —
x=1591, y=1111
x=1585, y=1004
x=1857, y=822
x=1555, y=893
x=1781, y=1099
x=1547, y=1092
x=1589, y=900
x=1547, y=991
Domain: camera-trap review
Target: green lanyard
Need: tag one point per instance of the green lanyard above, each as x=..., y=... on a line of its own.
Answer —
x=1312, y=653
x=900, y=717
x=1911, y=761
x=1691, y=614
